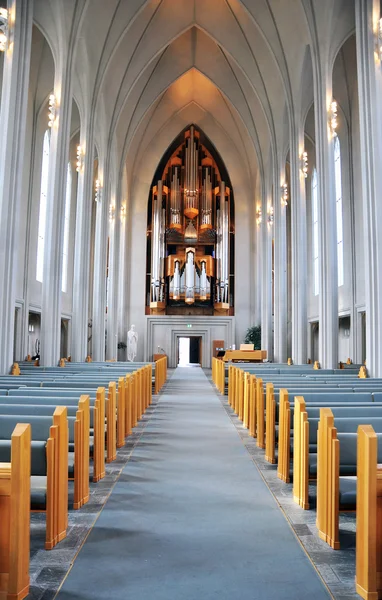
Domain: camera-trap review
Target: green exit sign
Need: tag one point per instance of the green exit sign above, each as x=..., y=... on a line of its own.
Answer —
x=189, y=325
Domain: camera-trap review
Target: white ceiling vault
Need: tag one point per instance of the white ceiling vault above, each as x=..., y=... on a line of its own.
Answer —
x=144, y=69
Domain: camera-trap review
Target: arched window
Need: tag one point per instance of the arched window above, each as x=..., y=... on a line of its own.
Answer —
x=65, y=249
x=340, y=245
x=315, y=232
x=42, y=213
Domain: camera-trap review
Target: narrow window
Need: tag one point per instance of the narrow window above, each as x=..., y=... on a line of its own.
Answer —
x=65, y=250
x=315, y=232
x=42, y=213
x=340, y=241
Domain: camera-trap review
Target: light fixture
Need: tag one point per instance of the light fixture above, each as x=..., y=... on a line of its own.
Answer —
x=3, y=29
x=258, y=216
x=123, y=212
x=378, y=39
x=284, y=195
x=52, y=110
x=80, y=159
x=111, y=212
x=270, y=215
x=97, y=196
x=304, y=163
x=31, y=328
x=333, y=116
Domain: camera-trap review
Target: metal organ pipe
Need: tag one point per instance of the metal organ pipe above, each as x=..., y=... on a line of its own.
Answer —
x=155, y=247
x=207, y=200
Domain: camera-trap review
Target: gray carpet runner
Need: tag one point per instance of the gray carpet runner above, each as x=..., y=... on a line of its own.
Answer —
x=190, y=516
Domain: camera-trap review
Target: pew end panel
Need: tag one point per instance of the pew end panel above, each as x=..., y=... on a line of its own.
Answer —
x=121, y=416
x=368, y=519
x=283, y=450
x=325, y=425
x=15, y=516
x=99, y=436
x=111, y=441
x=270, y=424
x=260, y=413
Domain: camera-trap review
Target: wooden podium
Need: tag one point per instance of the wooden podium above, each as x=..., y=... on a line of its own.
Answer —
x=245, y=355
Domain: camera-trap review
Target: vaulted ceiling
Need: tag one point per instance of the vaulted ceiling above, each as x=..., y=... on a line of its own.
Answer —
x=238, y=66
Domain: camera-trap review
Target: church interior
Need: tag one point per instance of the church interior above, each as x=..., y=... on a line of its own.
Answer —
x=190, y=299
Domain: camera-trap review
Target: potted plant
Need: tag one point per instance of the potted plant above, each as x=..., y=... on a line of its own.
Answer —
x=253, y=336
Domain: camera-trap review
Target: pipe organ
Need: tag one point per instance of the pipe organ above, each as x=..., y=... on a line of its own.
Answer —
x=190, y=236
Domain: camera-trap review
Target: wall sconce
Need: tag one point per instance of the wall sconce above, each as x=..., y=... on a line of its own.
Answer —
x=333, y=116
x=123, y=212
x=31, y=328
x=378, y=40
x=97, y=196
x=111, y=212
x=270, y=215
x=80, y=159
x=3, y=29
x=304, y=164
x=52, y=110
x=284, y=195
x=259, y=217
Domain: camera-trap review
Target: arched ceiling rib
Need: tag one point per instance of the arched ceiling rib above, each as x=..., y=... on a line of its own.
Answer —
x=196, y=90
x=141, y=37
x=194, y=50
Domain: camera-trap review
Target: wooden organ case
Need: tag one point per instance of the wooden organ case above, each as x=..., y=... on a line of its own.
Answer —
x=190, y=234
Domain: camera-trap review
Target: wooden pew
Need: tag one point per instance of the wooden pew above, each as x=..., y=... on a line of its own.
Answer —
x=369, y=514
x=160, y=373
x=111, y=416
x=337, y=456
x=68, y=398
x=314, y=399
x=78, y=441
x=15, y=472
x=50, y=460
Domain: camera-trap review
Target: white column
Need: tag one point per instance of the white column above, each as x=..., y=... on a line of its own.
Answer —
x=55, y=217
x=266, y=277
x=370, y=102
x=299, y=249
x=280, y=273
x=99, y=294
x=13, y=117
x=112, y=309
x=82, y=248
x=257, y=236
x=327, y=223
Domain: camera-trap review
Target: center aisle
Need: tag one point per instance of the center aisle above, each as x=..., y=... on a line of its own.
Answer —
x=190, y=517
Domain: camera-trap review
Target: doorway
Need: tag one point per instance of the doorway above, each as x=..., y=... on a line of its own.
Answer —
x=314, y=332
x=64, y=338
x=189, y=351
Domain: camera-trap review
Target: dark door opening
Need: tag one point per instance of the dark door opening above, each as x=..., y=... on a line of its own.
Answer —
x=195, y=350
x=189, y=351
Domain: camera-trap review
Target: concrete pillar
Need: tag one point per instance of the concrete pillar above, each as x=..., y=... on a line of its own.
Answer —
x=327, y=221
x=13, y=118
x=266, y=228
x=299, y=250
x=114, y=274
x=370, y=98
x=100, y=256
x=85, y=198
x=280, y=271
x=55, y=217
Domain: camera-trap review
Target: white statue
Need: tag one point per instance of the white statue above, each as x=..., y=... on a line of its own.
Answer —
x=132, y=344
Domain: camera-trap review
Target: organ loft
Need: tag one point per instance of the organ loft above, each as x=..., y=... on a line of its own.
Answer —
x=190, y=233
